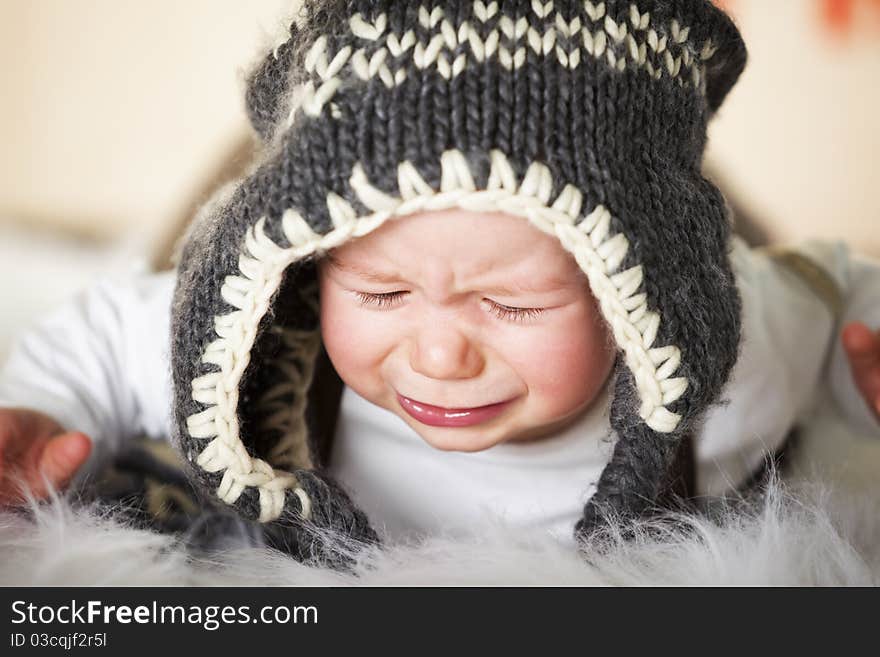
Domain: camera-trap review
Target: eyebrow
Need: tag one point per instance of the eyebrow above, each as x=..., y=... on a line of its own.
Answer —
x=366, y=274
x=550, y=284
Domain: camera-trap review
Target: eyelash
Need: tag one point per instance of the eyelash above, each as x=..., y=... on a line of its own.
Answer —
x=504, y=312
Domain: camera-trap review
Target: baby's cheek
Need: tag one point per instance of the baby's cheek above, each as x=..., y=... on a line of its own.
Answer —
x=566, y=371
x=355, y=344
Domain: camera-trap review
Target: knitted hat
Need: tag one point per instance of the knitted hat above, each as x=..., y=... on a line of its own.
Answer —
x=587, y=119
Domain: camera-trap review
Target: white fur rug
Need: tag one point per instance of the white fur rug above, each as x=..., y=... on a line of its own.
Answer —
x=821, y=527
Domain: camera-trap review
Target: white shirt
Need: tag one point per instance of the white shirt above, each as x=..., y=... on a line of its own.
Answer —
x=405, y=486
x=100, y=364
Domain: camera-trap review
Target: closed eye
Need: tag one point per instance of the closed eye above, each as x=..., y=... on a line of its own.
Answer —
x=515, y=314
x=388, y=299
x=381, y=300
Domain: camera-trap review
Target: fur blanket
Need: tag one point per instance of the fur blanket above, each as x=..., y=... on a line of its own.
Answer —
x=819, y=525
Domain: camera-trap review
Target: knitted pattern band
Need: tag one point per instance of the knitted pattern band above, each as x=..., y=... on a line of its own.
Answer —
x=586, y=119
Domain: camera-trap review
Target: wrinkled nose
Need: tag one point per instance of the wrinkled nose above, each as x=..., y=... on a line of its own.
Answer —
x=445, y=353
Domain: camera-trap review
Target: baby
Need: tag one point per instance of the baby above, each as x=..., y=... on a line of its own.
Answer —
x=480, y=225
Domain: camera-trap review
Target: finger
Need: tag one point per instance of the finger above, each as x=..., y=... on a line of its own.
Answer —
x=22, y=429
x=862, y=346
x=863, y=351
x=61, y=457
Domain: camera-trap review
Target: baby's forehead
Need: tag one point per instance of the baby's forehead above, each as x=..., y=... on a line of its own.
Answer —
x=467, y=230
x=457, y=235
x=469, y=242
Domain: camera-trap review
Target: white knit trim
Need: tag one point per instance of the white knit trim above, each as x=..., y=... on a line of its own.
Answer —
x=263, y=263
x=262, y=267
x=638, y=36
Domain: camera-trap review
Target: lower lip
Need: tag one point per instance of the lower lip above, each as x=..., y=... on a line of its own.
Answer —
x=437, y=416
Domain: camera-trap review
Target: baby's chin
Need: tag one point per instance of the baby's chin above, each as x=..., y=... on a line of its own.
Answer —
x=458, y=439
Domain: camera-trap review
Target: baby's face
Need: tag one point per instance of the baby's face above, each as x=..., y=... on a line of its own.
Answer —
x=459, y=310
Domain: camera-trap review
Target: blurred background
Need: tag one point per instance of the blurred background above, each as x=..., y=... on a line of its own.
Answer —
x=120, y=116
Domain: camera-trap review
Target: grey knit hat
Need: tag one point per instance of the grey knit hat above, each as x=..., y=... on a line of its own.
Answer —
x=587, y=119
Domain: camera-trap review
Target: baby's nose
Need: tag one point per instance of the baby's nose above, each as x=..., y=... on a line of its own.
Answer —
x=443, y=352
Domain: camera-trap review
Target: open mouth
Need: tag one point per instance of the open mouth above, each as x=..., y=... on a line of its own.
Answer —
x=437, y=416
